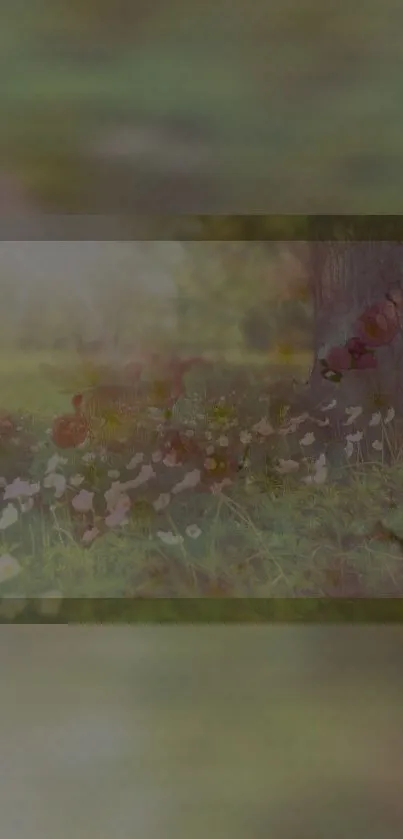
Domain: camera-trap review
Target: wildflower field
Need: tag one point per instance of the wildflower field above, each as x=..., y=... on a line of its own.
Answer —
x=227, y=493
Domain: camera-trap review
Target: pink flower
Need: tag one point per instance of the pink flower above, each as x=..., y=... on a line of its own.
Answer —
x=339, y=359
x=356, y=347
x=367, y=361
x=378, y=325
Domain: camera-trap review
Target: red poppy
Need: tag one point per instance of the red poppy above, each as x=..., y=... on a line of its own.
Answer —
x=69, y=431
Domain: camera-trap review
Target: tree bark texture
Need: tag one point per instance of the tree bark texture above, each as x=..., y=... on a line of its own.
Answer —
x=347, y=278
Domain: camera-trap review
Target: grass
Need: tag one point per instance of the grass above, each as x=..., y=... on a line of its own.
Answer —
x=267, y=535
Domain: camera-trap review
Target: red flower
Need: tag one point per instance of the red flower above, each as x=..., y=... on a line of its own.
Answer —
x=69, y=431
x=339, y=359
x=378, y=325
x=356, y=347
x=77, y=401
x=366, y=361
x=181, y=446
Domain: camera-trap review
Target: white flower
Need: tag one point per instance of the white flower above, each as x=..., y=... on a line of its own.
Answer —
x=208, y=435
x=349, y=449
x=54, y=462
x=320, y=475
x=245, y=437
x=355, y=438
x=375, y=419
x=321, y=461
x=193, y=531
x=20, y=489
x=308, y=439
x=115, y=518
x=90, y=535
x=223, y=440
x=135, y=461
x=169, y=538
x=189, y=432
x=156, y=457
x=378, y=445
x=162, y=501
x=50, y=603
x=27, y=505
x=83, y=501
x=112, y=495
x=119, y=513
x=76, y=480
x=9, y=567
x=8, y=516
x=288, y=429
x=210, y=450
x=263, y=427
x=353, y=414
x=57, y=482
x=170, y=460
x=390, y=416
x=113, y=473
x=145, y=474
x=299, y=420
x=287, y=466
x=89, y=457
x=330, y=406
x=190, y=480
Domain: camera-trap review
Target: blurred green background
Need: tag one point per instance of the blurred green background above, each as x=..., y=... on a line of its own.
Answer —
x=201, y=107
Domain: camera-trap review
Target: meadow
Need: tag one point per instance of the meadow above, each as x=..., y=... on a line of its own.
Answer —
x=263, y=503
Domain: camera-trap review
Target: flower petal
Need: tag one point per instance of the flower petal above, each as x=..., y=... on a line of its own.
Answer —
x=169, y=538
x=308, y=439
x=8, y=517
x=9, y=567
x=193, y=531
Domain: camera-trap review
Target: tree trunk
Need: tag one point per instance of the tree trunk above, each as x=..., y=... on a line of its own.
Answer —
x=348, y=277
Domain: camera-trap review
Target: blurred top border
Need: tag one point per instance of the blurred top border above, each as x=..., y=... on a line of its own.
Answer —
x=54, y=227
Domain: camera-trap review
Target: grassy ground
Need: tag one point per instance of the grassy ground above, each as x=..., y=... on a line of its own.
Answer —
x=272, y=533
